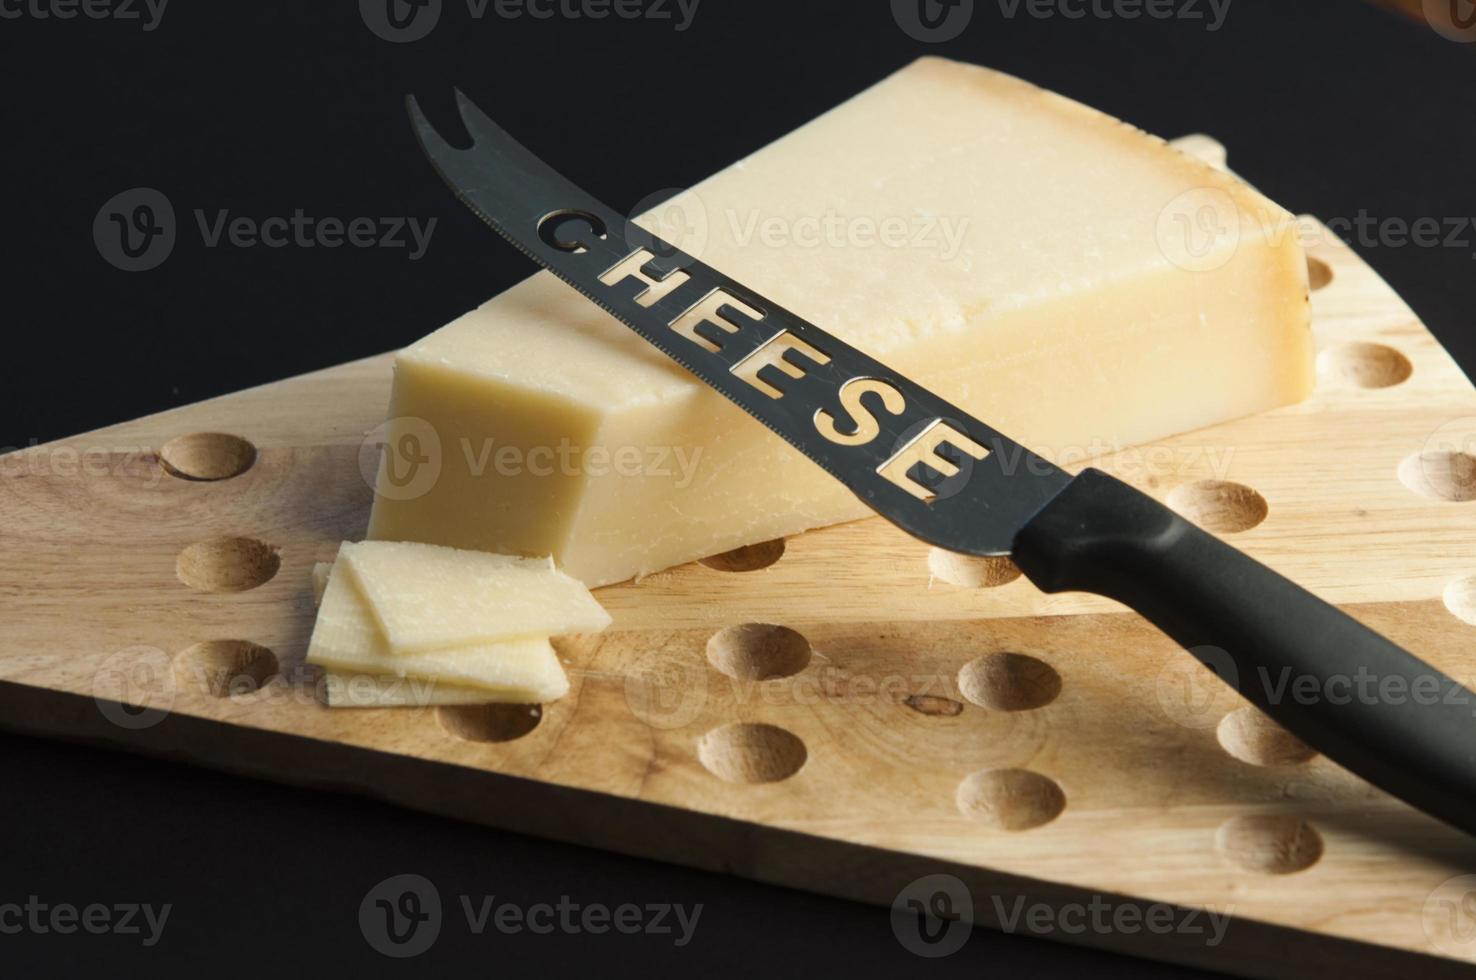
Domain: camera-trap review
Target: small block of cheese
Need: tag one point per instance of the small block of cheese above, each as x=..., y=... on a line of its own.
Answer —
x=347, y=641
x=1076, y=283
x=426, y=597
x=369, y=691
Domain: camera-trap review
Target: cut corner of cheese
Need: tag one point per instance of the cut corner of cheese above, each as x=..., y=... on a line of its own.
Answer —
x=1078, y=284
x=321, y=571
x=347, y=642
x=428, y=597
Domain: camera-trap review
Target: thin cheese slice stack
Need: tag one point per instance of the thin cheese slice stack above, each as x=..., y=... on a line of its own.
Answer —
x=1078, y=283
x=378, y=690
x=403, y=624
x=426, y=598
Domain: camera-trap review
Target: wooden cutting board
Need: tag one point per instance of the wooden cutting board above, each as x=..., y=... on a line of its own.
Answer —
x=1048, y=755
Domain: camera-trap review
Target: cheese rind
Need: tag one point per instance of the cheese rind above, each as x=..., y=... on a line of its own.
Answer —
x=1044, y=284
x=347, y=641
x=425, y=597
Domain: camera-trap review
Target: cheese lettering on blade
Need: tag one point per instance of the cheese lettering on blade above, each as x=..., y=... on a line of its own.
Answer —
x=1074, y=282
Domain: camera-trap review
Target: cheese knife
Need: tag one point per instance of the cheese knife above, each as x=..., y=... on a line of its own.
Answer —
x=955, y=482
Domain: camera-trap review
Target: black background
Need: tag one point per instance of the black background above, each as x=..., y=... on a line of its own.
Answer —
x=1331, y=106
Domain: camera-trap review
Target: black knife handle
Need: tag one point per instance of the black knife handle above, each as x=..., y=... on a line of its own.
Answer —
x=1370, y=706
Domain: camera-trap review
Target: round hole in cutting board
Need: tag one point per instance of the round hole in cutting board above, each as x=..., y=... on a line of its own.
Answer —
x=749, y=558
x=489, y=722
x=222, y=668
x=1460, y=599
x=227, y=564
x=1010, y=799
x=1276, y=844
x=1319, y=274
x=1364, y=365
x=1440, y=475
x=1250, y=736
x=207, y=456
x=1009, y=682
x=1219, y=505
x=758, y=651
x=751, y=753
x=971, y=571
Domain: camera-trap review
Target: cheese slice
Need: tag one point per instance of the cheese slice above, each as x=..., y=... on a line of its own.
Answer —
x=347, y=641
x=368, y=691
x=425, y=597
x=1075, y=282
x=371, y=691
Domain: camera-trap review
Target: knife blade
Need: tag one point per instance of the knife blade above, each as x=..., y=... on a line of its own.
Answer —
x=955, y=482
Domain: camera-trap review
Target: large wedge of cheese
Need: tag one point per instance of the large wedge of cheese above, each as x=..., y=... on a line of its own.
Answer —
x=347, y=642
x=1075, y=282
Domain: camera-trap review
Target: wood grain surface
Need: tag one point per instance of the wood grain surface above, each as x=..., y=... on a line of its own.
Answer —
x=914, y=716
